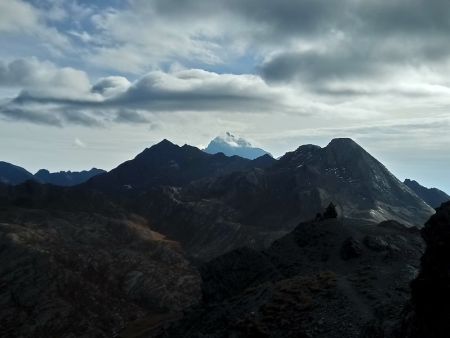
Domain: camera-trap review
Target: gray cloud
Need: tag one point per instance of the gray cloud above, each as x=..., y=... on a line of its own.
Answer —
x=115, y=99
x=368, y=41
x=198, y=90
x=82, y=118
x=317, y=44
x=44, y=78
x=315, y=66
x=130, y=116
x=27, y=115
x=312, y=52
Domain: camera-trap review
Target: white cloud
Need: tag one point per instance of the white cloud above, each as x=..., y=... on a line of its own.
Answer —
x=79, y=143
x=44, y=79
x=18, y=17
x=82, y=36
x=66, y=96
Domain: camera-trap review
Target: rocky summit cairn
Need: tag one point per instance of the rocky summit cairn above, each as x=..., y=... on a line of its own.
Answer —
x=330, y=211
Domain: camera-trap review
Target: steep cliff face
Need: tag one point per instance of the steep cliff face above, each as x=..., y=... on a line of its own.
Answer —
x=430, y=315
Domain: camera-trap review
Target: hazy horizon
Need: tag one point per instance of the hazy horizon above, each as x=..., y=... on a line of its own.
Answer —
x=400, y=172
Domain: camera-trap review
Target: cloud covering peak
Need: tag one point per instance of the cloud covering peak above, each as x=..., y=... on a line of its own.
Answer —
x=230, y=145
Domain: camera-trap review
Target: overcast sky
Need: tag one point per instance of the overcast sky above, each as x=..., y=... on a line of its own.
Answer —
x=92, y=83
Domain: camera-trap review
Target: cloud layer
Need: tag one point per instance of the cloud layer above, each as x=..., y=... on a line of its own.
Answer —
x=50, y=95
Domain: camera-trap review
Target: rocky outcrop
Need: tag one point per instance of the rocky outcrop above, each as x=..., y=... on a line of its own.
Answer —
x=301, y=286
x=429, y=315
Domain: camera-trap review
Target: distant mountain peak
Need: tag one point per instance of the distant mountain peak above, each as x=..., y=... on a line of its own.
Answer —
x=433, y=196
x=66, y=178
x=230, y=145
x=42, y=172
x=12, y=174
x=164, y=147
x=343, y=142
x=164, y=144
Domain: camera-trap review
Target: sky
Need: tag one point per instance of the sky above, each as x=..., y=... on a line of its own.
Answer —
x=92, y=83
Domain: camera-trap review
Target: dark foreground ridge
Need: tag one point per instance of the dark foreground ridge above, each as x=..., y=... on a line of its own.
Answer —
x=429, y=315
x=328, y=278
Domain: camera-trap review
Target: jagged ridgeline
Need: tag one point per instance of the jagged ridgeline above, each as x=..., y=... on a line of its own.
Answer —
x=215, y=203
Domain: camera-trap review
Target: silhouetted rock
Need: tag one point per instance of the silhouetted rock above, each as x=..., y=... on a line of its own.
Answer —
x=12, y=174
x=264, y=161
x=167, y=164
x=430, y=315
x=67, y=178
x=330, y=211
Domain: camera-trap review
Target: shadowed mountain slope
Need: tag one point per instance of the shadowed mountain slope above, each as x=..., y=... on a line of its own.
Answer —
x=429, y=312
x=67, y=178
x=76, y=265
x=254, y=207
x=329, y=278
x=168, y=164
x=434, y=197
x=12, y=174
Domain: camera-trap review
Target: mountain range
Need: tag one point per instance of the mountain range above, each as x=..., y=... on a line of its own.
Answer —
x=178, y=242
x=214, y=203
x=12, y=174
x=167, y=164
x=432, y=196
